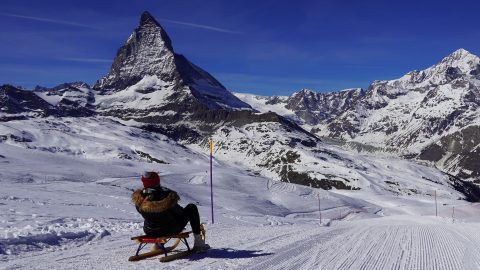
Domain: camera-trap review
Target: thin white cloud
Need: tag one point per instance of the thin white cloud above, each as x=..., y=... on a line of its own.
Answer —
x=88, y=60
x=39, y=19
x=201, y=26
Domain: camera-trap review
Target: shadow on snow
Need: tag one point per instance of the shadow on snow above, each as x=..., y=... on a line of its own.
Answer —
x=228, y=253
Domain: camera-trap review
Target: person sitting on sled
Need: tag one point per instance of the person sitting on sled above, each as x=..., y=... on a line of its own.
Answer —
x=163, y=216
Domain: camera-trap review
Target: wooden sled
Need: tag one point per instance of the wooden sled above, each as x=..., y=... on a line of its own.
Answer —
x=161, y=247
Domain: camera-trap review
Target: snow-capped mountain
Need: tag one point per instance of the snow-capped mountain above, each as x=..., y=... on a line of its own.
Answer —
x=70, y=99
x=307, y=107
x=148, y=64
x=18, y=104
x=420, y=107
x=152, y=88
x=150, y=83
x=415, y=114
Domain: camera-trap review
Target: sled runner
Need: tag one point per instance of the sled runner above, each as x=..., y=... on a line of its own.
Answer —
x=161, y=248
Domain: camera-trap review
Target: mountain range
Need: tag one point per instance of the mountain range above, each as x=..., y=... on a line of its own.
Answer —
x=429, y=116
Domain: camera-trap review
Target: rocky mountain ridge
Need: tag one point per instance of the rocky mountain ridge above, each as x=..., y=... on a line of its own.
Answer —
x=411, y=114
x=152, y=88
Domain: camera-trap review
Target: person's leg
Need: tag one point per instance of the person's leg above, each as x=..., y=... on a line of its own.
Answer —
x=190, y=212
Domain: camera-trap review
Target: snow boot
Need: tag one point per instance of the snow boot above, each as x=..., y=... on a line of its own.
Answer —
x=199, y=244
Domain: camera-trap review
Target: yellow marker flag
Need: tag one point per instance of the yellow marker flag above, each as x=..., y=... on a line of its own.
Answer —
x=211, y=145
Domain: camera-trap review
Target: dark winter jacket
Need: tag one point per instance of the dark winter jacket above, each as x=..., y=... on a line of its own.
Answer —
x=159, y=207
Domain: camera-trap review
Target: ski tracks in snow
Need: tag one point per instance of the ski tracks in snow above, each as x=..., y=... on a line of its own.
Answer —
x=374, y=244
x=376, y=247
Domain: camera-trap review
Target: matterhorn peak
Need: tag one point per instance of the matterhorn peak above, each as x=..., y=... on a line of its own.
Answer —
x=148, y=19
x=148, y=51
x=150, y=27
x=147, y=58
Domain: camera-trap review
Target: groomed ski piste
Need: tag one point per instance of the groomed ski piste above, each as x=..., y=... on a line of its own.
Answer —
x=65, y=204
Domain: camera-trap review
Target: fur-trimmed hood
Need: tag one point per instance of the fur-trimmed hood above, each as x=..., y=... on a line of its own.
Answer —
x=145, y=204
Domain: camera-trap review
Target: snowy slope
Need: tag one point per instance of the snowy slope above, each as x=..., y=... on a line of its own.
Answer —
x=266, y=103
x=78, y=94
x=150, y=92
x=383, y=244
x=266, y=149
x=66, y=204
x=71, y=156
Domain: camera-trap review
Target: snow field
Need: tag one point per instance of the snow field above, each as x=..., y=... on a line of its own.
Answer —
x=65, y=210
x=385, y=244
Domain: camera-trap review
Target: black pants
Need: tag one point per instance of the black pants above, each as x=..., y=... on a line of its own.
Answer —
x=188, y=214
x=191, y=214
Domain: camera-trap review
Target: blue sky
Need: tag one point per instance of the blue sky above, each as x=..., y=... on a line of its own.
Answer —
x=263, y=47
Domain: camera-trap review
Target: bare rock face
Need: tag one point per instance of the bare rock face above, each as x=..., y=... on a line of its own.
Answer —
x=148, y=51
x=315, y=108
x=458, y=152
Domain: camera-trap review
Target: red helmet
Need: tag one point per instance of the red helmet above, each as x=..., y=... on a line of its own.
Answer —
x=150, y=180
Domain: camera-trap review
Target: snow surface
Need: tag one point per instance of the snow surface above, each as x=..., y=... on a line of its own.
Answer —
x=65, y=204
x=54, y=97
x=259, y=103
x=133, y=97
x=256, y=145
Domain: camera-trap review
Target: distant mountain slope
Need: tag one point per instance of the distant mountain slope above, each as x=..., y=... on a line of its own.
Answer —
x=71, y=99
x=411, y=114
x=17, y=104
x=268, y=149
x=306, y=107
